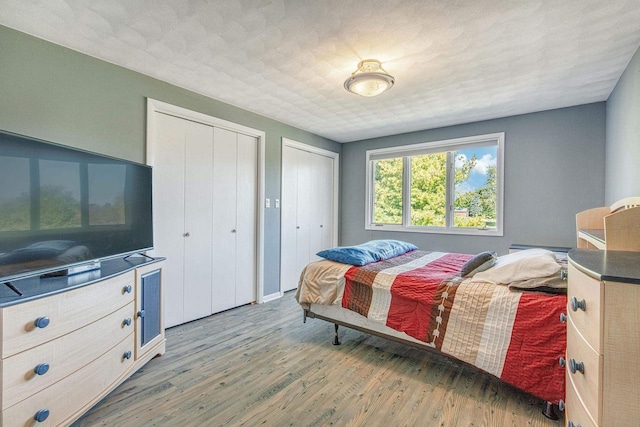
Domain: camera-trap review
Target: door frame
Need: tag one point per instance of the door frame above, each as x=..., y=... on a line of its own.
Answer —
x=286, y=142
x=155, y=106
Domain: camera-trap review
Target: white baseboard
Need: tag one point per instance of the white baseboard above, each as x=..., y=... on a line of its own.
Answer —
x=272, y=297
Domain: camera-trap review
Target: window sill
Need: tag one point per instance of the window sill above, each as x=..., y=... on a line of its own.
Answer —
x=436, y=230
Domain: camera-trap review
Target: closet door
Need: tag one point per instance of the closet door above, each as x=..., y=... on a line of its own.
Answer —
x=246, y=210
x=198, y=220
x=317, y=205
x=168, y=211
x=326, y=188
x=303, y=215
x=183, y=211
x=224, y=220
x=307, y=221
x=288, y=273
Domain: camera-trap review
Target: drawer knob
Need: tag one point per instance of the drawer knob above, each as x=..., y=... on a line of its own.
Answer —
x=126, y=355
x=126, y=322
x=563, y=318
x=41, y=369
x=576, y=366
x=572, y=424
x=127, y=289
x=562, y=361
x=564, y=274
x=561, y=405
x=41, y=322
x=41, y=415
x=575, y=304
x=141, y=313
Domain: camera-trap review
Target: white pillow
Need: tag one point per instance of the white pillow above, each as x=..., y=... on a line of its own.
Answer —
x=522, y=265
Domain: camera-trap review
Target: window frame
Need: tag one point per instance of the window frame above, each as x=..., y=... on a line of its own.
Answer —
x=448, y=145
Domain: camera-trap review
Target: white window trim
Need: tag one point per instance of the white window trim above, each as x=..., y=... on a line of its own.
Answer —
x=436, y=146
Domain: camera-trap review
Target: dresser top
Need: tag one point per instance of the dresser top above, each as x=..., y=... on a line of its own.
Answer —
x=615, y=266
x=36, y=287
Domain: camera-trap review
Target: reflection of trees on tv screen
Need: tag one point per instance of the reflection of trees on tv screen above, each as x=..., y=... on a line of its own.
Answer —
x=58, y=208
x=109, y=213
x=15, y=214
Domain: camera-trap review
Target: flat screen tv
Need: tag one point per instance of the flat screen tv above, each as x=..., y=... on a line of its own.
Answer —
x=62, y=207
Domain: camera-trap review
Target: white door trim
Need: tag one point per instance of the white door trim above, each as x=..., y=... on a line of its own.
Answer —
x=155, y=106
x=336, y=176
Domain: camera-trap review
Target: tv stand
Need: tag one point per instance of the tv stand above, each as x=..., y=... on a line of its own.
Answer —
x=69, y=341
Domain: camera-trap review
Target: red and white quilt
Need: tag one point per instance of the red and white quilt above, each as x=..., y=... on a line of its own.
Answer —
x=514, y=335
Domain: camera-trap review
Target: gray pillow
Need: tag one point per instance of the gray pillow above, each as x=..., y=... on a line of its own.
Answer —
x=480, y=262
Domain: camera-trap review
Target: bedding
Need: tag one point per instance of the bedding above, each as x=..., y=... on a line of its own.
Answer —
x=512, y=334
x=366, y=253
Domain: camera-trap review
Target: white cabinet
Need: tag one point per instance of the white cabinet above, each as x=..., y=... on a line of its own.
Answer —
x=205, y=207
x=62, y=353
x=309, y=194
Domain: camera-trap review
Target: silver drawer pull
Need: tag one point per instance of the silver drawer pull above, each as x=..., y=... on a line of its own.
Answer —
x=575, y=304
x=563, y=318
x=561, y=405
x=126, y=322
x=127, y=289
x=576, y=366
x=564, y=274
x=562, y=361
x=572, y=424
x=126, y=355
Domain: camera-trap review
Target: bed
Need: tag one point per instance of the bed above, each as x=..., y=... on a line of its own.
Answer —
x=513, y=330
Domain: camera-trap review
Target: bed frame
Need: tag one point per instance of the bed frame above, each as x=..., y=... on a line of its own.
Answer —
x=342, y=317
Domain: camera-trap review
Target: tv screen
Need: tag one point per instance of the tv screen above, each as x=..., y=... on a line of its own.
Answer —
x=61, y=207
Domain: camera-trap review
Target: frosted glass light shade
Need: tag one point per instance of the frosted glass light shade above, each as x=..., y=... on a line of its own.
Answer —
x=370, y=79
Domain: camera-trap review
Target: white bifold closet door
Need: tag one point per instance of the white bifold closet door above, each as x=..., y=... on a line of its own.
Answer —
x=205, y=206
x=234, y=224
x=307, y=211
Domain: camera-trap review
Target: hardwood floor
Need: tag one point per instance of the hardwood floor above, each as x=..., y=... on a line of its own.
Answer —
x=260, y=365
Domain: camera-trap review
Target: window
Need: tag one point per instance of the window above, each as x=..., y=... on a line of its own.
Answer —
x=452, y=186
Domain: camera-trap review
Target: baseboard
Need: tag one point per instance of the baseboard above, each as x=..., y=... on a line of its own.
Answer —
x=272, y=297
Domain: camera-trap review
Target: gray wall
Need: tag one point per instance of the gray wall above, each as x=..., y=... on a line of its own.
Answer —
x=554, y=168
x=623, y=135
x=57, y=94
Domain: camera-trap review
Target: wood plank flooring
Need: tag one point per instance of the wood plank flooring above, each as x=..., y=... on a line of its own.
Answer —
x=260, y=365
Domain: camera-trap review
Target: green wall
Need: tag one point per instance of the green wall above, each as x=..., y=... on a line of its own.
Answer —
x=57, y=94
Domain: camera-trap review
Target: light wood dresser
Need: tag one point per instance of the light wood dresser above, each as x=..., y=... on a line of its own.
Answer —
x=68, y=341
x=603, y=339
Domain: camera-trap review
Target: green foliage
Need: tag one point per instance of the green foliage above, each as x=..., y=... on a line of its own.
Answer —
x=429, y=189
x=388, y=191
x=428, y=192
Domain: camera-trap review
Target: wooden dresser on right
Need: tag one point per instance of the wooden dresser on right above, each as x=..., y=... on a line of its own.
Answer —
x=603, y=339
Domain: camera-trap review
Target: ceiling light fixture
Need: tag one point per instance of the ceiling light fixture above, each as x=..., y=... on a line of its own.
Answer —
x=370, y=79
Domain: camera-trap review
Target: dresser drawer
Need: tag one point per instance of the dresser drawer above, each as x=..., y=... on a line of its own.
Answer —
x=588, y=384
x=74, y=393
x=64, y=312
x=574, y=410
x=589, y=294
x=63, y=356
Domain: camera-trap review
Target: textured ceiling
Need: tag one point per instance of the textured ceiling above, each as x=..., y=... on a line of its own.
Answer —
x=454, y=61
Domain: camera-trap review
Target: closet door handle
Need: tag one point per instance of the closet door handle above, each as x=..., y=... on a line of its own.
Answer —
x=233, y=231
x=186, y=234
